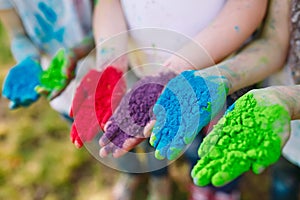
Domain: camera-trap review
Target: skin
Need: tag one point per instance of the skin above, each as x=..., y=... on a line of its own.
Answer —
x=104, y=29
x=242, y=14
x=260, y=58
x=247, y=15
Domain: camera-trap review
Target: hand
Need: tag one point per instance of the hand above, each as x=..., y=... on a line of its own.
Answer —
x=125, y=128
x=95, y=98
x=20, y=82
x=187, y=104
x=250, y=135
x=58, y=75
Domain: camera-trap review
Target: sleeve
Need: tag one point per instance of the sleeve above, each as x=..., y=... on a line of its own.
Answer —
x=5, y=4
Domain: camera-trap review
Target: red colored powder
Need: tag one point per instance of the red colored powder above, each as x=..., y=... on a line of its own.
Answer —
x=95, y=99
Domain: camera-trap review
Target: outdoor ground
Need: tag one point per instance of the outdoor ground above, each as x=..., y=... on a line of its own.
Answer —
x=38, y=161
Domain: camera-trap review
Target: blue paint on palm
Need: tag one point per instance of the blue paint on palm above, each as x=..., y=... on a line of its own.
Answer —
x=20, y=83
x=183, y=109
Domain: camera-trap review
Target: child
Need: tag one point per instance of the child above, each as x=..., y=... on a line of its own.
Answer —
x=38, y=29
x=205, y=29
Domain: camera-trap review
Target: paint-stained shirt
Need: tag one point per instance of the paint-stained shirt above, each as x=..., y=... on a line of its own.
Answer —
x=53, y=24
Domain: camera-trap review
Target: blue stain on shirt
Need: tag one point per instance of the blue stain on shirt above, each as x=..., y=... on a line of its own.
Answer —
x=48, y=12
x=47, y=30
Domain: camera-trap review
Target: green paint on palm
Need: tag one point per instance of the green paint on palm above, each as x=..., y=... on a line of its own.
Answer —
x=55, y=77
x=246, y=137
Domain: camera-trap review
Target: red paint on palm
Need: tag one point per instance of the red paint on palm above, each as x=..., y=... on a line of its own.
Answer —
x=95, y=99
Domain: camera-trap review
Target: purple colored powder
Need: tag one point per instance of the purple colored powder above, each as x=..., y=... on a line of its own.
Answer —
x=134, y=111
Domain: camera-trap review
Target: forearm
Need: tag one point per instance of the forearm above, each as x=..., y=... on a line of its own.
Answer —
x=264, y=56
x=21, y=46
x=109, y=22
x=290, y=95
x=242, y=17
x=84, y=47
x=230, y=29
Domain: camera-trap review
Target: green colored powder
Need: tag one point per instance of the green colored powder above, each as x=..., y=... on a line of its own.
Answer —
x=55, y=77
x=248, y=136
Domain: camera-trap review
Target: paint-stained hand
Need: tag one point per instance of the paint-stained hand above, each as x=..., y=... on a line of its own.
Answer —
x=125, y=128
x=58, y=75
x=20, y=82
x=249, y=136
x=187, y=104
x=95, y=98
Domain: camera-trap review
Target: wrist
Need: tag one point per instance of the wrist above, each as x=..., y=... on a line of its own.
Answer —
x=217, y=75
x=289, y=96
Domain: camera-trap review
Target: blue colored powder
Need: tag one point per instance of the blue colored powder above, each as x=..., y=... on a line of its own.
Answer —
x=186, y=105
x=21, y=81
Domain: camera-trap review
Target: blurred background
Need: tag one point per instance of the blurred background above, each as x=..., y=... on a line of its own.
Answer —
x=38, y=161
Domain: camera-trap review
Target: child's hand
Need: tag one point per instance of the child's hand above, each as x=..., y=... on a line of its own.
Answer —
x=125, y=128
x=58, y=75
x=249, y=136
x=187, y=104
x=95, y=98
x=20, y=82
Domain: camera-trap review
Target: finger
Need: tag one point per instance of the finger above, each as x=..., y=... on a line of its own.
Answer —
x=41, y=90
x=129, y=144
x=148, y=128
x=116, y=143
x=111, y=132
x=204, y=170
x=13, y=105
x=176, y=147
x=222, y=178
x=104, y=151
x=258, y=168
x=74, y=136
x=162, y=148
x=106, y=125
x=104, y=120
x=155, y=136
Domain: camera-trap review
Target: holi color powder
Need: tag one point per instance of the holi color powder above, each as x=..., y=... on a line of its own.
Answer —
x=95, y=98
x=183, y=109
x=134, y=111
x=20, y=83
x=248, y=136
x=55, y=77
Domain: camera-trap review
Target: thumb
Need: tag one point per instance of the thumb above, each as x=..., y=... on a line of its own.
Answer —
x=148, y=128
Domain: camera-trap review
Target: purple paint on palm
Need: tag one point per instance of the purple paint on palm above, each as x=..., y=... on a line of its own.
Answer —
x=134, y=111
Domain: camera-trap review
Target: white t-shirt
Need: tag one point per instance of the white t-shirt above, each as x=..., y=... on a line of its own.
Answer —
x=182, y=19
